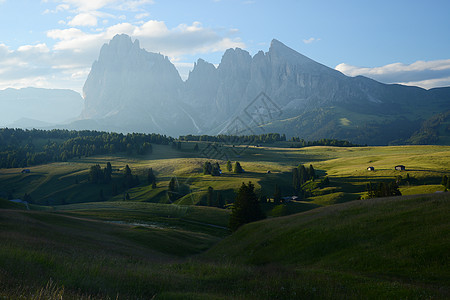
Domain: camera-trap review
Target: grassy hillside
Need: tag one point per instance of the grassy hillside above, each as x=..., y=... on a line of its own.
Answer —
x=372, y=244
x=65, y=183
x=371, y=249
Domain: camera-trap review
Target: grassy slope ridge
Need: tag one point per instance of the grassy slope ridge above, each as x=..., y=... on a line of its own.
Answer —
x=55, y=184
x=405, y=239
x=371, y=249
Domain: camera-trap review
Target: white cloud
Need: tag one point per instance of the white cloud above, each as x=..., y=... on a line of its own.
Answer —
x=153, y=35
x=67, y=62
x=426, y=74
x=141, y=16
x=84, y=19
x=311, y=40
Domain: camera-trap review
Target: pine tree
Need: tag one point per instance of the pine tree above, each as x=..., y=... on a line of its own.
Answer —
x=150, y=176
x=246, y=208
x=444, y=181
x=237, y=168
x=229, y=166
x=128, y=178
x=295, y=180
x=311, y=173
x=207, y=168
x=302, y=174
x=172, y=191
x=216, y=171
x=107, y=172
x=196, y=148
x=209, y=196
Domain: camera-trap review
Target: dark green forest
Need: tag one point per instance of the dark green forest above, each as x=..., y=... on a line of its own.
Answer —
x=22, y=148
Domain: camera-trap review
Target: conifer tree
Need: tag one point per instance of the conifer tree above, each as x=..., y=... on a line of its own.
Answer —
x=172, y=191
x=237, y=168
x=150, y=176
x=295, y=180
x=229, y=166
x=209, y=196
x=246, y=208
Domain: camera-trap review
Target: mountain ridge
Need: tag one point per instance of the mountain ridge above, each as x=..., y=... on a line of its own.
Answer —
x=131, y=89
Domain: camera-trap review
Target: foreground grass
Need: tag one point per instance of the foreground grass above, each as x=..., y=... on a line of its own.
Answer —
x=372, y=249
x=403, y=240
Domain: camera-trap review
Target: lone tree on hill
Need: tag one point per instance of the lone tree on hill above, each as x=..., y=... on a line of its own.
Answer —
x=209, y=196
x=150, y=176
x=246, y=207
x=238, y=168
x=207, y=168
x=172, y=191
x=229, y=166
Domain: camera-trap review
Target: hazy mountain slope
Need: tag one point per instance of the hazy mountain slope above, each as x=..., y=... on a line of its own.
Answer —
x=133, y=90
x=21, y=106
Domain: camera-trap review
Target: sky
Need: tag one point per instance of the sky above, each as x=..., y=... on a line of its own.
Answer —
x=53, y=43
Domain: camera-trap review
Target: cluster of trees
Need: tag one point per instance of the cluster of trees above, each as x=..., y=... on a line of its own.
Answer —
x=99, y=176
x=300, y=175
x=382, y=189
x=266, y=138
x=176, y=145
x=212, y=169
x=214, y=199
x=21, y=148
x=300, y=143
x=246, y=207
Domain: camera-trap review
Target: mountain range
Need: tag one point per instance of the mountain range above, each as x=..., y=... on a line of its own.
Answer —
x=37, y=107
x=131, y=90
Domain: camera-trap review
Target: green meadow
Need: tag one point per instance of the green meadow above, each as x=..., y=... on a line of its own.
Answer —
x=331, y=244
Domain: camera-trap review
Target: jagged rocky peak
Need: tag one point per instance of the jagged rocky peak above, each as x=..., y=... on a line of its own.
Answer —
x=201, y=68
x=235, y=59
x=118, y=48
x=279, y=53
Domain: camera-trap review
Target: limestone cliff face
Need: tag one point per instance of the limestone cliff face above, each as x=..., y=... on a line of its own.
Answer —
x=130, y=89
x=135, y=89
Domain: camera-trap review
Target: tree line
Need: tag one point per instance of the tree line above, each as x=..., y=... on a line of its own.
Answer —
x=265, y=138
x=21, y=148
x=300, y=143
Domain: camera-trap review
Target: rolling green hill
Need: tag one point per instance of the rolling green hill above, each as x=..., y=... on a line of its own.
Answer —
x=371, y=244
x=387, y=248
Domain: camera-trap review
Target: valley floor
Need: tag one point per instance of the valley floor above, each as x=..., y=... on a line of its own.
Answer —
x=136, y=244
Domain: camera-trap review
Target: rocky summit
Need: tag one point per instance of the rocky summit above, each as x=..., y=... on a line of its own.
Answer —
x=130, y=89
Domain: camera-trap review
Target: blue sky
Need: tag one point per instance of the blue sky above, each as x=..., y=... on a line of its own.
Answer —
x=53, y=43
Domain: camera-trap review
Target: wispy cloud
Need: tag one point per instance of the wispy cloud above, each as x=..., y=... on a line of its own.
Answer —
x=426, y=74
x=311, y=40
x=67, y=63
